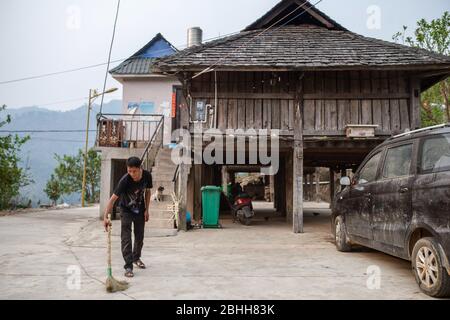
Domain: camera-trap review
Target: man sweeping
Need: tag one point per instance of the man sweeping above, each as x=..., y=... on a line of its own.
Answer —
x=133, y=193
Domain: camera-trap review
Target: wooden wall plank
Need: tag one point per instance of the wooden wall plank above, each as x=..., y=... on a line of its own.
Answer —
x=284, y=113
x=267, y=114
x=319, y=122
x=232, y=114
x=355, y=109
x=366, y=112
x=258, y=114
x=404, y=115
x=331, y=117
x=343, y=114
x=276, y=116
x=309, y=115
x=249, y=114
x=291, y=114
x=222, y=114
x=395, y=116
x=241, y=114
x=377, y=113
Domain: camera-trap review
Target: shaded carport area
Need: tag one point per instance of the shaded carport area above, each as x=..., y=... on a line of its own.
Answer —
x=340, y=156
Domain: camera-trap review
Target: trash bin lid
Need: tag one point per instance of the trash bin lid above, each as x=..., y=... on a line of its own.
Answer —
x=211, y=188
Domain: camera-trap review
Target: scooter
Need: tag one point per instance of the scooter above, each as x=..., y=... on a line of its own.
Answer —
x=243, y=209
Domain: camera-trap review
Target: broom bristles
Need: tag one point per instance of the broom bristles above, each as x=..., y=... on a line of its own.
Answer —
x=113, y=285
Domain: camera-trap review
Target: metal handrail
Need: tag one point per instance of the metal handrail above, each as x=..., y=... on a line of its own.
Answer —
x=159, y=127
x=176, y=173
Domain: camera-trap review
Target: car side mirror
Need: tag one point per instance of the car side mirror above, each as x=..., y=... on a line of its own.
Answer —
x=345, y=181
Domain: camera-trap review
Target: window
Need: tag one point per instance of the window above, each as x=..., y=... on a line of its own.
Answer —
x=435, y=154
x=369, y=172
x=398, y=162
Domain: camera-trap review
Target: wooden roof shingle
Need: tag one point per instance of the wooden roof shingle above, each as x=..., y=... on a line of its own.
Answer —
x=299, y=47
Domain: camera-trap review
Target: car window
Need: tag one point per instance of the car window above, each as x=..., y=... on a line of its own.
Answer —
x=398, y=161
x=369, y=172
x=435, y=154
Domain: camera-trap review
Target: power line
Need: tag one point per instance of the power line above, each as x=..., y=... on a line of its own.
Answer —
x=45, y=75
x=109, y=58
x=211, y=67
x=45, y=131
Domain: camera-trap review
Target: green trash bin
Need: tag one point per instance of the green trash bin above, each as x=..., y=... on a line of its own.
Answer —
x=211, y=206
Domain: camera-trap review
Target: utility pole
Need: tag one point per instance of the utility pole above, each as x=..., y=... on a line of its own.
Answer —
x=83, y=188
x=92, y=96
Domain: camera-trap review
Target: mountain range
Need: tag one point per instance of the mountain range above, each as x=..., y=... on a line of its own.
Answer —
x=39, y=152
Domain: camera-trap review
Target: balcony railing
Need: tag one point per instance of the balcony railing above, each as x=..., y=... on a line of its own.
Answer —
x=127, y=131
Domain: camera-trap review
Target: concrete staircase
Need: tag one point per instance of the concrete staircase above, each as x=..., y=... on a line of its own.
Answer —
x=162, y=173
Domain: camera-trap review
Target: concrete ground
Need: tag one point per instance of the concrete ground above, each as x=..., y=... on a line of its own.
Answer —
x=41, y=253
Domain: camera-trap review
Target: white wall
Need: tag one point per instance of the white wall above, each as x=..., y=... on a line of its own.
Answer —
x=157, y=90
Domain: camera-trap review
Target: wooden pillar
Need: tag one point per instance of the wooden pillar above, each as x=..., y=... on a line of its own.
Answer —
x=298, y=161
x=332, y=185
x=317, y=181
x=225, y=179
x=183, y=196
x=289, y=185
x=415, y=104
x=184, y=169
x=272, y=188
x=197, y=192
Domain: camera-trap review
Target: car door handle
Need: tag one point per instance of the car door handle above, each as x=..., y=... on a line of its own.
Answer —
x=403, y=190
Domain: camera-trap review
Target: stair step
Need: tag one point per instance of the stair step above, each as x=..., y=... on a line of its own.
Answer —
x=162, y=177
x=161, y=215
x=163, y=205
x=160, y=224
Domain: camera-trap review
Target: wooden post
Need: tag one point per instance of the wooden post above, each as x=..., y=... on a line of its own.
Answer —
x=225, y=179
x=184, y=172
x=298, y=161
x=272, y=189
x=197, y=192
x=415, y=104
x=317, y=180
x=332, y=186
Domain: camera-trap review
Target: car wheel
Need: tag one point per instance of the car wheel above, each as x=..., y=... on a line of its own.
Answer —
x=430, y=274
x=340, y=235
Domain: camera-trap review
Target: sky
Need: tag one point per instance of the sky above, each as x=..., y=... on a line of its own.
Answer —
x=46, y=36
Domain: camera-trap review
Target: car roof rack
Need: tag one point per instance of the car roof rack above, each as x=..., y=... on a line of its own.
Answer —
x=421, y=130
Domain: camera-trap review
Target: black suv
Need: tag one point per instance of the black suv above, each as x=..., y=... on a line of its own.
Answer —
x=398, y=202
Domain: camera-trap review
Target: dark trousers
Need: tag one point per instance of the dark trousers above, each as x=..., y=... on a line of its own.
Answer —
x=132, y=253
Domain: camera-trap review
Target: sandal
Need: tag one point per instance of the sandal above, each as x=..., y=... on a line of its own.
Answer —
x=139, y=264
x=129, y=273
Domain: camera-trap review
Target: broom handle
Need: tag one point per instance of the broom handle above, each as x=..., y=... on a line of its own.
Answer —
x=109, y=246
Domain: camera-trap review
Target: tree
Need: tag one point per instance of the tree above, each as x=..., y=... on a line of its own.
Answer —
x=69, y=174
x=433, y=36
x=53, y=189
x=12, y=176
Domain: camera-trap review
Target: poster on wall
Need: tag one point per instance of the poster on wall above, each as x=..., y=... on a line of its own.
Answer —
x=133, y=107
x=147, y=107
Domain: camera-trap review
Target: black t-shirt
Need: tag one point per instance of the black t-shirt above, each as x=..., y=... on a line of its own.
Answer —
x=131, y=193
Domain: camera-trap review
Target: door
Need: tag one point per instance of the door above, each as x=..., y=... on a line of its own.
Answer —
x=392, y=211
x=359, y=204
x=431, y=190
x=177, y=100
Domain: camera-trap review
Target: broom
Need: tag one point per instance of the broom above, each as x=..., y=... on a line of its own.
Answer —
x=113, y=285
